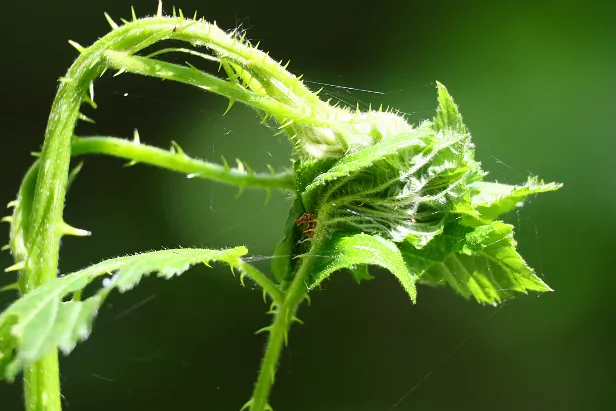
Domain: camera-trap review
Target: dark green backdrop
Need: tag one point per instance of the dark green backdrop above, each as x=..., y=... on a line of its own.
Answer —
x=535, y=83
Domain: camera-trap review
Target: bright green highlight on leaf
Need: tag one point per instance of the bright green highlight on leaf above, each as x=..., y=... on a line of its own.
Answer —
x=357, y=251
x=476, y=262
x=492, y=200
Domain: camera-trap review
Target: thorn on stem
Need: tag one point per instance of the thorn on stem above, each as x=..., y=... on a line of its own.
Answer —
x=77, y=46
x=91, y=88
x=16, y=267
x=85, y=118
x=240, y=165
x=9, y=287
x=225, y=164
x=136, y=139
x=268, y=197
x=175, y=147
x=67, y=229
x=264, y=329
x=73, y=174
x=231, y=102
x=112, y=23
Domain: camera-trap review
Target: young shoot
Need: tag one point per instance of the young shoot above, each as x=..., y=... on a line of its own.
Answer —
x=370, y=189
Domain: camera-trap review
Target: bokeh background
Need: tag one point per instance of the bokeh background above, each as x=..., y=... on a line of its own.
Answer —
x=535, y=83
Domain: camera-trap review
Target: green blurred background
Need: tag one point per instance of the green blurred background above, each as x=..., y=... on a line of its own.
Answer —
x=535, y=83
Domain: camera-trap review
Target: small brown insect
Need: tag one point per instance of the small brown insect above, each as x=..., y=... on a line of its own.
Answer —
x=175, y=28
x=310, y=221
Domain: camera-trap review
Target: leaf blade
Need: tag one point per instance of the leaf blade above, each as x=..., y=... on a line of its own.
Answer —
x=351, y=251
x=40, y=321
x=448, y=116
x=478, y=262
x=492, y=200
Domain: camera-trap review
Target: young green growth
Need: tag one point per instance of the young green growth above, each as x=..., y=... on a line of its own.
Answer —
x=370, y=189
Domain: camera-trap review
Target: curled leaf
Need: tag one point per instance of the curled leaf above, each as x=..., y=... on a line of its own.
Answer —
x=353, y=251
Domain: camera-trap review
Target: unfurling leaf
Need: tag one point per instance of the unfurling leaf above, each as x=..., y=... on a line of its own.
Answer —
x=421, y=195
x=44, y=320
x=402, y=188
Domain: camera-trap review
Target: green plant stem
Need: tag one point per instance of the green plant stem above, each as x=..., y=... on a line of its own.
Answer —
x=261, y=279
x=42, y=378
x=279, y=330
x=126, y=62
x=180, y=162
x=43, y=225
x=42, y=385
x=42, y=242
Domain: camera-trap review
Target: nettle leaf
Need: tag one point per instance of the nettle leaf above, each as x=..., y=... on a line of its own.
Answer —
x=491, y=200
x=478, y=262
x=355, y=162
x=400, y=188
x=46, y=319
x=354, y=251
x=421, y=193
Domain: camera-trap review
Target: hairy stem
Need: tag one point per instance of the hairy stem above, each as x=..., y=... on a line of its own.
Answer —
x=279, y=330
x=261, y=279
x=189, y=75
x=180, y=162
x=42, y=385
x=40, y=225
x=42, y=378
x=40, y=253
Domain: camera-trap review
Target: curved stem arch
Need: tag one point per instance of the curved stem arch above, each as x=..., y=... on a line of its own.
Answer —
x=36, y=249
